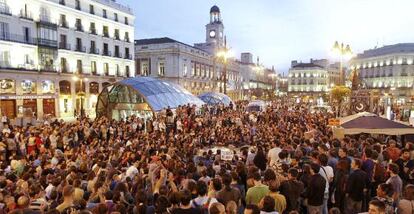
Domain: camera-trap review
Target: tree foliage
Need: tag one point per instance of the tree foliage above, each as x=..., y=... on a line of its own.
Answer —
x=338, y=93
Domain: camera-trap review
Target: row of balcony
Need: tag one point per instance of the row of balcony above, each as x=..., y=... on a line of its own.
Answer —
x=92, y=50
x=55, y=69
x=28, y=40
x=92, y=11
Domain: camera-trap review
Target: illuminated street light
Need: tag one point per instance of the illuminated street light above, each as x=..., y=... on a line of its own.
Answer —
x=82, y=93
x=344, y=51
x=224, y=54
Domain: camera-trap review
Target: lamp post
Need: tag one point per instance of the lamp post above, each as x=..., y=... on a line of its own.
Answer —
x=343, y=51
x=81, y=93
x=224, y=55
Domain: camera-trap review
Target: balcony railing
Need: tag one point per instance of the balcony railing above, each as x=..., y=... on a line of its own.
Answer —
x=79, y=27
x=80, y=48
x=94, y=50
x=63, y=23
x=64, y=68
x=128, y=56
x=92, y=31
x=26, y=15
x=18, y=38
x=116, y=37
x=6, y=11
x=117, y=55
x=106, y=34
x=126, y=39
x=62, y=2
x=47, y=42
x=106, y=53
x=65, y=46
x=45, y=20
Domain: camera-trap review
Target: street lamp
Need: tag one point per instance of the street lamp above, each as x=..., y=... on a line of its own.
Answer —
x=224, y=54
x=344, y=51
x=81, y=93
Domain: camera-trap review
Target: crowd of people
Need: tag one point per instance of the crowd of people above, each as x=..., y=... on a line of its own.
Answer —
x=284, y=160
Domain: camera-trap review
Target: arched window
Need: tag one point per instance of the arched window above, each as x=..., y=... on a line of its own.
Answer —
x=80, y=86
x=94, y=88
x=64, y=87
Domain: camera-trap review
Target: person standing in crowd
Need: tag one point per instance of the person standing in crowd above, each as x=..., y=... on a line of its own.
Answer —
x=395, y=181
x=376, y=207
x=406, y=205
x=356, y=187
x=292, y=189
x=315, y=192
x=258, y=191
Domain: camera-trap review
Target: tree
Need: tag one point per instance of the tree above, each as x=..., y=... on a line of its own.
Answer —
x=338, y=94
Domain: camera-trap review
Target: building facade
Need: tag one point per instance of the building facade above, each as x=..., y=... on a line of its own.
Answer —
x=57, y=55
x=197, y=67
x=389, y=70
x=313, y=79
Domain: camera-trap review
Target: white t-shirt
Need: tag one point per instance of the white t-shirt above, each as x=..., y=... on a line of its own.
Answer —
x=273, y=155
x=131, y=171
x=328, y=174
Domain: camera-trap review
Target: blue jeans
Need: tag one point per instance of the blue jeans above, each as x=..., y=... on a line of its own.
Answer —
x=325, y=203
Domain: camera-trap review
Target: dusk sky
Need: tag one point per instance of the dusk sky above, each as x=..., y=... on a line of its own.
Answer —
x=279, y=31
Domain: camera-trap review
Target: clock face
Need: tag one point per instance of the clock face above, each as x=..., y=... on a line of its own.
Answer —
x=212, y=34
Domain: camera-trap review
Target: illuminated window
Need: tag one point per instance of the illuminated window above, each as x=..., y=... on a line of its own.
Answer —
x=48, y=86
x=28, y=86
x=185, y=69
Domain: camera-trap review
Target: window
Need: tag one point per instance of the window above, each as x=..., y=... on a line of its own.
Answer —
x=48, y=87
x=92, y=28
x=127, y=71
x=63, y=42
x=64, y=87
x=79, y=45
x=63, y=65
x=105, y=50
x=117, y=51
x=161, y=69
x=116, y=34
x=94, y=88
x=116, y=17
x=79, y=67
x=185, y=70
x=5, y=59
x=105, y=31
x=126, y=38
x=62, y=2
x=145, y=67
x=78, y=25
x=4, y=30
x=62, y=21
x=28, y=86
x=126, y=21
x=93, y=48
x=26, y=34
x=91, y=9
x=7, y=86
x=106, y=69
x=193, y=68
x=118, y=72
x=77, y=5
x=127, y=54
x=93, y=67
x=104, y=13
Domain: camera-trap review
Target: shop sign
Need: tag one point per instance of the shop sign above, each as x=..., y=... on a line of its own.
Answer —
x=29, y=97
x=334, y=122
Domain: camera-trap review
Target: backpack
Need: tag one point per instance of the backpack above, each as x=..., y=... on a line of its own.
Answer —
x=203, y=207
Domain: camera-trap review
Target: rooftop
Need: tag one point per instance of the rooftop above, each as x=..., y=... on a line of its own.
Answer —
x=163, y=40
x=113, y=4
x=307, y=65
x=388, y=49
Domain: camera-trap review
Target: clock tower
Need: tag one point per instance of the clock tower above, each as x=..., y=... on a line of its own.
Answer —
x=214, y=29
x=214, y=33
